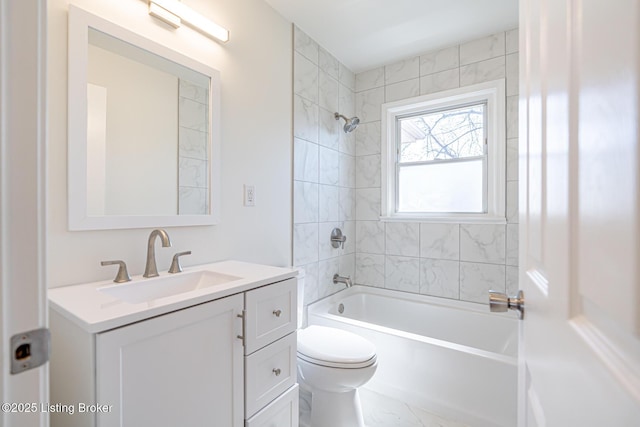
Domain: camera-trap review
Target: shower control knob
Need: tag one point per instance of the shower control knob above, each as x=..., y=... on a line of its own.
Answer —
x=499, y=302
x=337, y=238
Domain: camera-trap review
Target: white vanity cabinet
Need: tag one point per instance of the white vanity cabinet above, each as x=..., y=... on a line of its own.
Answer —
x=271, y=392
x=227, y=362
x=181, y=369
x=184, y=368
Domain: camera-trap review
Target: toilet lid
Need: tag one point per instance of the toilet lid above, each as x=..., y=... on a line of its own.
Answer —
x=335, y=347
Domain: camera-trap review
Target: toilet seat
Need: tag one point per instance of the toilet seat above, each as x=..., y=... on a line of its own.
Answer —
x=335, y=348
x=329, y=364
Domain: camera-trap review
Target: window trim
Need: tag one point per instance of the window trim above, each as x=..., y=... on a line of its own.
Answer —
x=493, y=93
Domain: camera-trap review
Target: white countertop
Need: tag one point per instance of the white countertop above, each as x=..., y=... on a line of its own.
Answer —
x=95, y=311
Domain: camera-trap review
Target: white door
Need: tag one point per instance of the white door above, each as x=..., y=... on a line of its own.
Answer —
x=580, y=213
x=23, y=299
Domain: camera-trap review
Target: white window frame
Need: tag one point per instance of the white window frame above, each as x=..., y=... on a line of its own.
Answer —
x=493, y=93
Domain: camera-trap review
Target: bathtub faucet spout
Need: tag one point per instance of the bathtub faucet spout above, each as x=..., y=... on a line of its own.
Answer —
x=342, y=279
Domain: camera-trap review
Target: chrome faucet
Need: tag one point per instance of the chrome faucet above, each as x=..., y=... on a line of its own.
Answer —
x=151, y=270
x=342, y=279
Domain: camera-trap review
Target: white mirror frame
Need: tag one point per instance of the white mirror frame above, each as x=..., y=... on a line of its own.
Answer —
x=79, y=23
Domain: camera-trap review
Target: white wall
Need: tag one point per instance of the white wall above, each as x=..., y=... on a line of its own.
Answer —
x=256, y=142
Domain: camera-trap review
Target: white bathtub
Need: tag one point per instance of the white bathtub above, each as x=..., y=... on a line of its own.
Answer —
x=449, y=357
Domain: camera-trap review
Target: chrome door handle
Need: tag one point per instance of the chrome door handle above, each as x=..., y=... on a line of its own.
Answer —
x=277, y=372
x=277, y=313
x=499, y=302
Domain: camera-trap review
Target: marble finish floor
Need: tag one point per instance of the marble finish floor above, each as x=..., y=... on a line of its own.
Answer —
x=384, y=411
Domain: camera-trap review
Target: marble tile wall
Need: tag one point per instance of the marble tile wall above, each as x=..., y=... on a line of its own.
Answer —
x=459, y=261
x=324, y=169
x=193, y=168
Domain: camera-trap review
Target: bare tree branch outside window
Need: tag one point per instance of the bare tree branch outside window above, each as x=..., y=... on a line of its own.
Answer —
x=442, y=135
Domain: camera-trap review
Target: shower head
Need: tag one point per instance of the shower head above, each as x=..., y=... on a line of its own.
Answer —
x=350, y=124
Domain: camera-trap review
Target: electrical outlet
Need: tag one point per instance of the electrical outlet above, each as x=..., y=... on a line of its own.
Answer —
x=249, y=195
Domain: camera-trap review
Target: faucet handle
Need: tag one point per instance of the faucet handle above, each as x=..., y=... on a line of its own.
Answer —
x=175, y=263
x=123, y=274
x=337, y=238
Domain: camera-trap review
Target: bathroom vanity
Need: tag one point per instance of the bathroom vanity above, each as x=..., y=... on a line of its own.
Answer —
x=214, y=345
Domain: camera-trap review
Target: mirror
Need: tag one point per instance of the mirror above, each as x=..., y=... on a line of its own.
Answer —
x=143, y=131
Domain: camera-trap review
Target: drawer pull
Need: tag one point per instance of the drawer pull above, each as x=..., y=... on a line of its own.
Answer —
x=277, y=313
x=277, y=371
x=242, y=337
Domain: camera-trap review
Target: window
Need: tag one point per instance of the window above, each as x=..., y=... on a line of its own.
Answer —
x=444, y=156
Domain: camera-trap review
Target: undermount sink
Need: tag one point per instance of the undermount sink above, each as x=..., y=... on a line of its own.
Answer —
x=144, y=290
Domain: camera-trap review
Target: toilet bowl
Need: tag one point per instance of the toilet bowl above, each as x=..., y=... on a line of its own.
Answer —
x=332, y=364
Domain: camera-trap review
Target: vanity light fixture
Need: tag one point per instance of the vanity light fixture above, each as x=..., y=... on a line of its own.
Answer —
x=164, y=15
x=162, y=9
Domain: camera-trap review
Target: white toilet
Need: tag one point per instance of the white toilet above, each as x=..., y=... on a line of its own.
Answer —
x=332, y=364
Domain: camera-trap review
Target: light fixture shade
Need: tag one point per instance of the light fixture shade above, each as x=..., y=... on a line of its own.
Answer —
x=192, y=18
x=164, y=15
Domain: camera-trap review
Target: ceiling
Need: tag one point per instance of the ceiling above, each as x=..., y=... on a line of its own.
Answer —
x=364, y=34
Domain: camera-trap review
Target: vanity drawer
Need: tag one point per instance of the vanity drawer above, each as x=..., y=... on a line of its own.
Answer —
x=269, y=372
x=271, y=314
x=282, y=412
